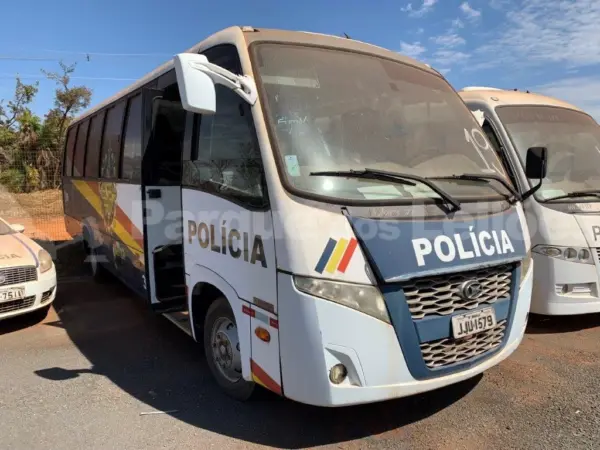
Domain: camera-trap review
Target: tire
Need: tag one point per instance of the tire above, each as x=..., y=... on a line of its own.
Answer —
x=220, y=326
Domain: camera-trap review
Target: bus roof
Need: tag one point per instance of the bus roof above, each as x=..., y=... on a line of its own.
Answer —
x=499, y=97
x=249, y=35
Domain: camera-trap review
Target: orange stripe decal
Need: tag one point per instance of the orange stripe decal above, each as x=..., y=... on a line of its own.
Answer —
x=263, y=378
x=126, y=222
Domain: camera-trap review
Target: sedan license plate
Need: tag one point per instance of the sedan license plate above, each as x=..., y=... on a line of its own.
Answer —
x=474, y=322
x=12, y=294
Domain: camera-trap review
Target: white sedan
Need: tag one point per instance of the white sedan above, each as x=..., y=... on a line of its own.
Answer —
x=27, y=274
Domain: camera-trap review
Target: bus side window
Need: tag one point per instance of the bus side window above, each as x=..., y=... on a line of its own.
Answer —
x=70, y=151
x=92, y=159
x=228, y=158
x=80, y=148
x=111, y=142
x=131, y=168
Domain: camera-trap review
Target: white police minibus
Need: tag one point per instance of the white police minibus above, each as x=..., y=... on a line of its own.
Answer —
x=324, y=215
x=564, y=215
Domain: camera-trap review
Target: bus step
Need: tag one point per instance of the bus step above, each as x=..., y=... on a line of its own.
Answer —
x=181, y=319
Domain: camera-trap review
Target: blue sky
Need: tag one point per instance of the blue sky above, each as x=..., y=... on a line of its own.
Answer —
x=548, y=46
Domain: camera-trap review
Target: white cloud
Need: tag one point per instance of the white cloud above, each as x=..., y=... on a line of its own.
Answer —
x=469, y=12
x=413, y=50
x=448, y=40
x=457, y=23
x=499, y=4
x=539, y=32
x=449, y=57
x=426, y=7
x=580, y=91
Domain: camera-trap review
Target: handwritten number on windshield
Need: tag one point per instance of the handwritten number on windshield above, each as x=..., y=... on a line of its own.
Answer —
x=479, y=143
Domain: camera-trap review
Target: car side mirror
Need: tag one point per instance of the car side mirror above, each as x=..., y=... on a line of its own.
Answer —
x=18, y=227
x=536, y=164
x=196, y=87
x=536, y=167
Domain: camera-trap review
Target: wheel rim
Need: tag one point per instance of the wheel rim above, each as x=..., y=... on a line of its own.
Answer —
x=226, y=349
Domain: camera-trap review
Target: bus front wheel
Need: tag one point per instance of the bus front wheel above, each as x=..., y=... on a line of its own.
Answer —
x=222, y=349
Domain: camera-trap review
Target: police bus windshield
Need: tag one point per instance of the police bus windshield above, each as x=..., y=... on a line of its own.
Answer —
x=338, y=110
x=572, y=139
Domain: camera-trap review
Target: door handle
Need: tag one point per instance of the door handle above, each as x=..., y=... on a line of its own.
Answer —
x=154, y=193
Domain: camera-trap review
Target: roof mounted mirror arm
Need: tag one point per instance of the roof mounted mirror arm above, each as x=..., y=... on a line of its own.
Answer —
x=243, y=85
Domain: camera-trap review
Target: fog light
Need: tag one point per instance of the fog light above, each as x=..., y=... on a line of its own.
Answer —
x=338, y=373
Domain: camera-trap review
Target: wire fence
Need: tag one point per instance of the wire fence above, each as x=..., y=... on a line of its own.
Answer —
x=30, y=192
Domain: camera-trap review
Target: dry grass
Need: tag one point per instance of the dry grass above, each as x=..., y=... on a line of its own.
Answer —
x=33, y=205
x=40, y=212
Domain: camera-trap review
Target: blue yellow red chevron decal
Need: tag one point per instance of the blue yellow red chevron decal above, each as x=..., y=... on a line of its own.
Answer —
x=336, y=256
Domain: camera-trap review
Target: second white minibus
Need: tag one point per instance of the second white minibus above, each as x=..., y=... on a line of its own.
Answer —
x=564, y=214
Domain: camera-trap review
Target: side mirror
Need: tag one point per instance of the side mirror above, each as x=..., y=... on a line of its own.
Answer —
x=196, y=88
x=536, y=166
x=17, y=227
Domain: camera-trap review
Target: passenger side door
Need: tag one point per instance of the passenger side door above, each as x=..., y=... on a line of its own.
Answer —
x=228, y=226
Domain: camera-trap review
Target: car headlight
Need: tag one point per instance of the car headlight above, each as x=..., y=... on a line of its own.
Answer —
x=572, y=254
x=525, y=266
x=45, y=261
x=363, y=298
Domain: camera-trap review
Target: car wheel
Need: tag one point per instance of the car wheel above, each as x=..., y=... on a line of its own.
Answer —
x=222, y=350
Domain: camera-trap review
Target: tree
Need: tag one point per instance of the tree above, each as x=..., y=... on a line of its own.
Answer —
x=68, y=102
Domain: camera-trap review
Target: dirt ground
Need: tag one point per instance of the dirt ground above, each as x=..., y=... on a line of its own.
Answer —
x=40, y=212
x=102, y=371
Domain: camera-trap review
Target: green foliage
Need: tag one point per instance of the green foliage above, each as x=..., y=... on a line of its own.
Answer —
x=32, y=178
x=12, y=180
x=31, y=147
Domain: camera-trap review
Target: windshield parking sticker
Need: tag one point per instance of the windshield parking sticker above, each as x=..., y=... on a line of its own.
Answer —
x=291, y=164
x=336, y=256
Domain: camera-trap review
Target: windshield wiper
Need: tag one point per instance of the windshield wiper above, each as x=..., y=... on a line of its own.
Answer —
x=512, y=198
x=576, y=194
x=401, y=178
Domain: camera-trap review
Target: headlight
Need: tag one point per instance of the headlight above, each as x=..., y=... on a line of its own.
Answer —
x=45, y=260
x=572, y=254
x=363, y=298
x=525, y=266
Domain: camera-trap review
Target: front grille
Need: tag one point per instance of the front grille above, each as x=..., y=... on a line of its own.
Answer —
x=15, y=305
x=17, y=275
x=440, y=294
x=444, y=352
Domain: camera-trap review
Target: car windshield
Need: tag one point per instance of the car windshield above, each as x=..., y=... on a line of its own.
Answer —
x=5, y=229
x=573, y=142
x=334, y=110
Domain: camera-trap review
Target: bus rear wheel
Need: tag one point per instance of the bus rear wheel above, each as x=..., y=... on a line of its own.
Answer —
x=222, y=349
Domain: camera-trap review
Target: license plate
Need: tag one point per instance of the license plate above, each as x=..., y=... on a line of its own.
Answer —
x=12, y=294
x=474, y=322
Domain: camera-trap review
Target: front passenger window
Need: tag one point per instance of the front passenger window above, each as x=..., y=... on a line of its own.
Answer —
x=227, y=158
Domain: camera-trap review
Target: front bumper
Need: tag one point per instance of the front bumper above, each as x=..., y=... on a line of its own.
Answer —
x=38, y=294
x=317, y=334
x=552, y=273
